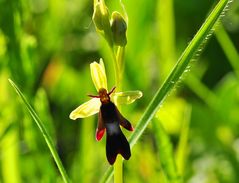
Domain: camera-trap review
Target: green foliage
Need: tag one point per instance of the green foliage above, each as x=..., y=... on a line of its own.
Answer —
x=175, y=75
x=43, y=131
x=46, y=47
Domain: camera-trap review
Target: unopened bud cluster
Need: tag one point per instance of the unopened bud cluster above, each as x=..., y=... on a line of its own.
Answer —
x=114, y=28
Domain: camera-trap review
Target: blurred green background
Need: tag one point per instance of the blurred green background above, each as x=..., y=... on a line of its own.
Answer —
x=46, y=47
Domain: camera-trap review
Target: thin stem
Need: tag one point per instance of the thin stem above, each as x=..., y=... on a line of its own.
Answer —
x=119, y=59
x=118, y=170
x=116, y=69
x=118, y=66
x=120, y=63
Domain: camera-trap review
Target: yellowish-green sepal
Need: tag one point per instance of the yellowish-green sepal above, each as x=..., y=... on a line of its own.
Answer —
x=98, y=75
x=100, y=16
x=102, y=64
x=118, y=28
x=127, y=97
x=86, y=109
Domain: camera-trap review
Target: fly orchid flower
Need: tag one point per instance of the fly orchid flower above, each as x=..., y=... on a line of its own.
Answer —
x=109, y=118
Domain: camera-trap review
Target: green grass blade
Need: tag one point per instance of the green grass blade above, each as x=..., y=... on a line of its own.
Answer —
x=181, y=66
x=166, y=37
x=108, y=174
x=44, y=132
x=179, y=69
x=182, y=149
x=228, y=48
x=165, y=152
x=201, y=90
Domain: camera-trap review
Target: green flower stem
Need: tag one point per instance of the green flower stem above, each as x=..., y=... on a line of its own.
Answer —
x=119, y=63
x=118, y=170
x=118, y=66
x=116, y=69
x=44, y=133
x=175, y=75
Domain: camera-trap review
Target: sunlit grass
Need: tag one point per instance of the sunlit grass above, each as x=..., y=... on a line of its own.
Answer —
x=44, y=132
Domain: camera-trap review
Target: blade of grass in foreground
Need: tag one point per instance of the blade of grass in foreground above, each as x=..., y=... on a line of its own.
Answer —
x=44, y=132
x=194, y=46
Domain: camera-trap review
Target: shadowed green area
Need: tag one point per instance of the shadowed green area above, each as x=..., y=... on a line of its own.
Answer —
x=46, y=47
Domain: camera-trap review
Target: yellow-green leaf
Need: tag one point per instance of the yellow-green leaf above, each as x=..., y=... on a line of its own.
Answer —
x=127, y=97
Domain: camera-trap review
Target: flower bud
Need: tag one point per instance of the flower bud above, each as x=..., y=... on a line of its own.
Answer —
x=118, y=28
x=100, y=16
